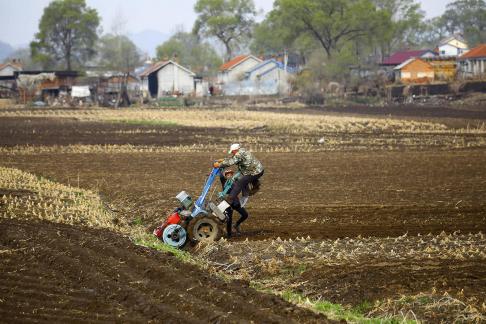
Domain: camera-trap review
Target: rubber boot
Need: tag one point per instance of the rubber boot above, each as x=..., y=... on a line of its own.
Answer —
x=244, y=200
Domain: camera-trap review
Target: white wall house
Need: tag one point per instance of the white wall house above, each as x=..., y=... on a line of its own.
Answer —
x=167, y=78
x=235, y=69
x=8, y=69
x=452, y=46
x=270, y=77
x=473, y=63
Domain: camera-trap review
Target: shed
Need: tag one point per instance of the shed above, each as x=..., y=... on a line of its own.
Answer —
x=473, y=63
x=445, y=68
x=167, y=78
x=414, y=70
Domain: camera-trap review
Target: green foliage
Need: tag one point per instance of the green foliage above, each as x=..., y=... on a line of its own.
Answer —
x=67, y=32
x=198, y=56
x=331, y=23
x=270, y=38
x=363, y=308
x=321, y=69
x=150, y=241
x=433, y=32
x=118, y=53
x=338, y=312
x=404, y=27
x=467, y=17
x=230, y=21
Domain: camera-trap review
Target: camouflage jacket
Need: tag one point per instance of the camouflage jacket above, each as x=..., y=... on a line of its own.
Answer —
x=246, y=162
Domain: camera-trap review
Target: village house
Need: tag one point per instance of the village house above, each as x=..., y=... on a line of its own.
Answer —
x=167, y=78
x=7, y=78
x=414, y=70
x=235, y=69
x=452, y=46
x=269, y=77
x=9, y=68
x=473, y=63
x=400, y=57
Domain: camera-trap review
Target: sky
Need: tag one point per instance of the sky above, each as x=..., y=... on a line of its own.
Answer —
x=19, y=19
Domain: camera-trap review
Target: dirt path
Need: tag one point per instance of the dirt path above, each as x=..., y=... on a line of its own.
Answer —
x=53, y=272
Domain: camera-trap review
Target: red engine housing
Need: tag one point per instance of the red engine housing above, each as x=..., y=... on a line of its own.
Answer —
x=173, y=218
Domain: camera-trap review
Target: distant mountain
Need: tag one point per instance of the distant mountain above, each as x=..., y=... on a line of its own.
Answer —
x=5, y=50
x=148, y=40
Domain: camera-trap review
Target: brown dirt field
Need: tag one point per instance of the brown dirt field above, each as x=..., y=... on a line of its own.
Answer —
x=351, y=271
x=53, y=272
x=380, y=280
x=324, y=195
x=40, y=131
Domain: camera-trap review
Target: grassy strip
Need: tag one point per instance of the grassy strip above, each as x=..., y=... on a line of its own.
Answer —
x=147, y=122
x=333, y=311
x=150, y=241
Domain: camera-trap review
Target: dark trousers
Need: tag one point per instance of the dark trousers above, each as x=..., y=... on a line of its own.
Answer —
x=229, y=212
x=242, y=185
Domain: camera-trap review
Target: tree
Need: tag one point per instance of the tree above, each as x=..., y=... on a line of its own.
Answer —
x=270, y=39
x=199, y=56
x=118, y=53
x=435, y=30
x=467, y=17
x=331, y=23
x=405, y=27
x=230, y=21
x=67, y=32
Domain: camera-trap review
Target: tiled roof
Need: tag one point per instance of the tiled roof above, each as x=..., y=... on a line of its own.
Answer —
x=400, y=57
x=446, y=40
x=477, y=52
x=153, y=68
x=228, y=65
x=14, y=65
x=157, y=66
x=410, y=60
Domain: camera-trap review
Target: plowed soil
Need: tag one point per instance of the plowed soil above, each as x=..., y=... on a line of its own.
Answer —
x=59, y=273
x=67, y=274
x=324, y=195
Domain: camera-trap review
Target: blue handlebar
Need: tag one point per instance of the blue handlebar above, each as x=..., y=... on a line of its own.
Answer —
x=209, y=182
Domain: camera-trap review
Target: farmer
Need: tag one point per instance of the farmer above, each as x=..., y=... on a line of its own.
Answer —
x=227, y=182
x=250, y=168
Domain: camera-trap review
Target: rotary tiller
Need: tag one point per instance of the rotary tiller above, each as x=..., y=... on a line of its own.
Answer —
x=198, y=222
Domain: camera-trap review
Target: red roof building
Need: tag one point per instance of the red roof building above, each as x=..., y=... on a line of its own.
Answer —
x=473, y=63
x=400, y=57
x=235, y=61
x=475, y=53
x=234, y=69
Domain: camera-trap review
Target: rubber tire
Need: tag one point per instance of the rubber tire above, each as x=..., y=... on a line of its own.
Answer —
x=200, y=220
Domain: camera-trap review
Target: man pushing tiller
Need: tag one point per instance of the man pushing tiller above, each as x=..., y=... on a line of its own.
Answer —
x=251, y=171
x=228, y=179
